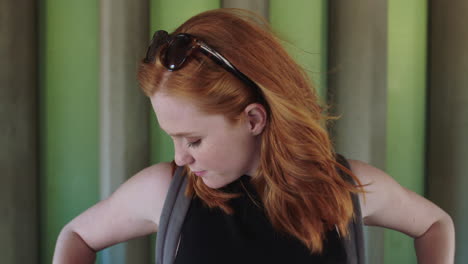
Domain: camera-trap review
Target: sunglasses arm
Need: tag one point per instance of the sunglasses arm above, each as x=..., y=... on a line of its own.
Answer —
x=225, y=63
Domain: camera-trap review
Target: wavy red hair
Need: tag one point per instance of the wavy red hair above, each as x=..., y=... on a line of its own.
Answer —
x=297, y=178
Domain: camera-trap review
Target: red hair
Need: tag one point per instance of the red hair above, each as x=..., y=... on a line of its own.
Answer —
x=297, y=178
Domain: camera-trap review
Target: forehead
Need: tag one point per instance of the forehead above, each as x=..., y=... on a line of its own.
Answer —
x=178, y=115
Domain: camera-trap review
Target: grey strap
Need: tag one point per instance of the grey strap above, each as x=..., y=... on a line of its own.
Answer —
x=359, y=233
x=172, y=217
x=354, y=243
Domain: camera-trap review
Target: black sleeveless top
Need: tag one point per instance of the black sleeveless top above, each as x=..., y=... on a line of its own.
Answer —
x=210, y=236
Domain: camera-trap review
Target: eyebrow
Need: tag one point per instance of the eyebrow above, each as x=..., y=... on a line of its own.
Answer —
x=182, y=134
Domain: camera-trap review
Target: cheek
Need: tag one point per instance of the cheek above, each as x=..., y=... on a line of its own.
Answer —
x=208, y=154
x=219, y=153
x=232, y=150
x=215, y=152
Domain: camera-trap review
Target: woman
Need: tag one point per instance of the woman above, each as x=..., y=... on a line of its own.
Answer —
x=264, y=183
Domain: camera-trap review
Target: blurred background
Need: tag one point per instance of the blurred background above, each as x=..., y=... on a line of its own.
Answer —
x=74, y=124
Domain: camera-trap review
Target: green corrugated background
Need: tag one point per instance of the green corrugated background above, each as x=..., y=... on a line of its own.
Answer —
x=69, y=51
x=69, y=181
x=302, y=24
x=406, y=120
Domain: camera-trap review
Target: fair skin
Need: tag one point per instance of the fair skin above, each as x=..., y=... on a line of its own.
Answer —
x=224, y=152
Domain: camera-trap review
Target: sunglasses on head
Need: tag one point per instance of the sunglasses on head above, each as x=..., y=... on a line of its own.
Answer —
x=175, y=50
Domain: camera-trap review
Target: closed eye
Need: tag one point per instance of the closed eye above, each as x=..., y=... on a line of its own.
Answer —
x=194, y=144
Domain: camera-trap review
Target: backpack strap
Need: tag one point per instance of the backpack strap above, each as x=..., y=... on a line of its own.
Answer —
x=354, y=243
x=172, y=217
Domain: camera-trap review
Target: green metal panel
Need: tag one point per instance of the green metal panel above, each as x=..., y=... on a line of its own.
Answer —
x=258, y=6
x=407, y=36
x=357, y=90
x=168, y=15
x=448, y=116
x=303, y=25
x=68, y=115
x=19, y=205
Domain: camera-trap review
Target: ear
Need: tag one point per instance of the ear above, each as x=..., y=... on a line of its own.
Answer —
x=255, y=116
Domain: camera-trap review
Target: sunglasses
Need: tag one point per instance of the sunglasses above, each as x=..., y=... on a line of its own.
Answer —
x=175, y=50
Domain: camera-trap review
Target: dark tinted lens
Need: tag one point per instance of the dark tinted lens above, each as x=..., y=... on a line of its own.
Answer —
x=160, y=37
x=177, y=52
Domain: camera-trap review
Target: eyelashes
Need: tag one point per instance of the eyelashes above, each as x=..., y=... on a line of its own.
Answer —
x=194, y=144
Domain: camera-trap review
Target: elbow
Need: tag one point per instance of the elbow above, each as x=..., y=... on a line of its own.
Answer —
x=69, y=234
x=437, y=244
x=442, y=223
x=447, y=224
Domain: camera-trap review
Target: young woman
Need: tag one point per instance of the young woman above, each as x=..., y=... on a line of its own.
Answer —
x=264, y=182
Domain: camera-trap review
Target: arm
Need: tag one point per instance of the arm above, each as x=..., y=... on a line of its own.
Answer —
x=131, y=211
x=70, y=248
x=390, y=205
x=439, y=238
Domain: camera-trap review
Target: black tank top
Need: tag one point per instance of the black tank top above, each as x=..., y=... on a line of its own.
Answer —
x=210, y=236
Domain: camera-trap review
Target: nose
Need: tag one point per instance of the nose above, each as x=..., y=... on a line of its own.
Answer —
x=182, y=157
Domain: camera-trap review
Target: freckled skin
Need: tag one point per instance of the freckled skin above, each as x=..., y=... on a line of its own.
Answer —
x=225, y=151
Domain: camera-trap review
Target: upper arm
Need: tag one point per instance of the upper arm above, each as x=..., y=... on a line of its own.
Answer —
x=388, y=204
x=133, y=210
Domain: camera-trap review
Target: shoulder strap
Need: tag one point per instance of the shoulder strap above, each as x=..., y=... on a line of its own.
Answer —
x=354, y=243
x=172, y=217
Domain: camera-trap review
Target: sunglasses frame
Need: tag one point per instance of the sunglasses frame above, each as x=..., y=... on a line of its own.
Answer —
x=161, y=39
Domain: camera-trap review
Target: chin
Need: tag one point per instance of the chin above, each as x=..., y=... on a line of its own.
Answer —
x=214, y=185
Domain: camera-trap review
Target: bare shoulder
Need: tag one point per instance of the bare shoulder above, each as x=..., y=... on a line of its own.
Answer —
x=388, y=204
x=148, y=188
x=374, y=179
x=133, y=210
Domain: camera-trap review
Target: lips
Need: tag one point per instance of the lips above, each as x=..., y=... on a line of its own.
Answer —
x=199, y=173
